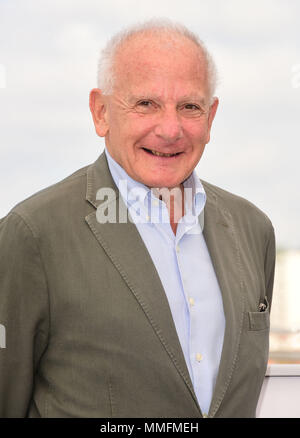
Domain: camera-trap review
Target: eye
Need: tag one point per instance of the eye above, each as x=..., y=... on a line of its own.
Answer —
x=191, y=106
x=145, y=106
x=144, y=103
x=192, y=110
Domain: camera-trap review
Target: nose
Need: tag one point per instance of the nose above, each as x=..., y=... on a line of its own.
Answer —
x=169, y=126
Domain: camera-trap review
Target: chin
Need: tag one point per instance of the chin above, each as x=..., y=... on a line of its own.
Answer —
x=160, y=183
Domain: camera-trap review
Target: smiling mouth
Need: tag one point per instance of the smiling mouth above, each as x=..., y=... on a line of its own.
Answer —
x=160, y=154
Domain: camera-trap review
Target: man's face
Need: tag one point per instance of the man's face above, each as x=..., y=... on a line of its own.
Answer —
x=157, y=121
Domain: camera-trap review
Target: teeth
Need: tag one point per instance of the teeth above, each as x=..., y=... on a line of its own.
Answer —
x=159, y=154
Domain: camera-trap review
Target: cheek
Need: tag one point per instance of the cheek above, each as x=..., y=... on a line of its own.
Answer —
x=138, y=128
x=196, y=132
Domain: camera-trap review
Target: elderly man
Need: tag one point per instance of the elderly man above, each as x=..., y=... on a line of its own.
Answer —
x=131, y=288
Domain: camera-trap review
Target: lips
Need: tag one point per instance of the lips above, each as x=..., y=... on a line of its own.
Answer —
x=161, y=154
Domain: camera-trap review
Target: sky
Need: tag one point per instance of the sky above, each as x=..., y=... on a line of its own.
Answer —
x=48, y=62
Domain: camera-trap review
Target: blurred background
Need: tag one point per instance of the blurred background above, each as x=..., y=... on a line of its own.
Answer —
x=48, y=61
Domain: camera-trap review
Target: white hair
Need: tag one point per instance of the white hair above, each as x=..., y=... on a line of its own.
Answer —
x=106, y=74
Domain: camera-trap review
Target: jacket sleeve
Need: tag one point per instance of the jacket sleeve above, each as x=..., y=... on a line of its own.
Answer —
x=24, y=314
x=270, y=265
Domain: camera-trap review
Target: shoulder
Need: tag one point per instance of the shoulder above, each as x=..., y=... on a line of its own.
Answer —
x=53, y=203
x=244, y=213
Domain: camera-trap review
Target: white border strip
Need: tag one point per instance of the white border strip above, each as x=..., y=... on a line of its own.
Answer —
x=281, y=370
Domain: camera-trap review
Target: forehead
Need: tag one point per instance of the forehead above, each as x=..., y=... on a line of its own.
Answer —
x=159, y=60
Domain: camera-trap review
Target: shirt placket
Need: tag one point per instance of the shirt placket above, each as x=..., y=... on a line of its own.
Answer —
x=195, y=351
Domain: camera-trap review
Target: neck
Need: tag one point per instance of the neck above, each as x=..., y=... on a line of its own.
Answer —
x=174, y=200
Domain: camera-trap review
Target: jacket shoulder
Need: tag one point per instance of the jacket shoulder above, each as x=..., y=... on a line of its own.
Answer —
x=59, y=191
x=242, y=210
x=53, y=202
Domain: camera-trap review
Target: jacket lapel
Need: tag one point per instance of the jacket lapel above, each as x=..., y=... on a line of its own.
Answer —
x=126, y=250
x=222, y=242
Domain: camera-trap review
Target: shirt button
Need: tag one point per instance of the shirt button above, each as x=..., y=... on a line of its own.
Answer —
x=191, y=301
x=147, y=218
x=155, y=203
x=199, y=357
x=177, y=249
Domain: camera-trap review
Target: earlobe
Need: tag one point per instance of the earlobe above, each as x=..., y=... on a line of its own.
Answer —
x=98, y=109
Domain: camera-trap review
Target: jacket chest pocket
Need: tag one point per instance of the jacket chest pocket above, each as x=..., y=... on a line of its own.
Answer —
x=260, y=320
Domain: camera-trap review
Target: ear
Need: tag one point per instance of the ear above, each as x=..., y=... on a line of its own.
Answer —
x=212, y=112
x=98, y=107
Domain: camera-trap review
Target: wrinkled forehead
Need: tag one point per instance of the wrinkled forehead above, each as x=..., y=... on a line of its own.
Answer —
x=164, y=55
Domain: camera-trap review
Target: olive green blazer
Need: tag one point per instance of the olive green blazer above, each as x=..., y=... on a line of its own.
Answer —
x=88, y=328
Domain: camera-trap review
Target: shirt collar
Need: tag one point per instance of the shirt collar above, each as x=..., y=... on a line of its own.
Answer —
x=194, y=193
x=123, y=181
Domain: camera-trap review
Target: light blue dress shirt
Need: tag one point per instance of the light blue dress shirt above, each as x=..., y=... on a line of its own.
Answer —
x=186, y=272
